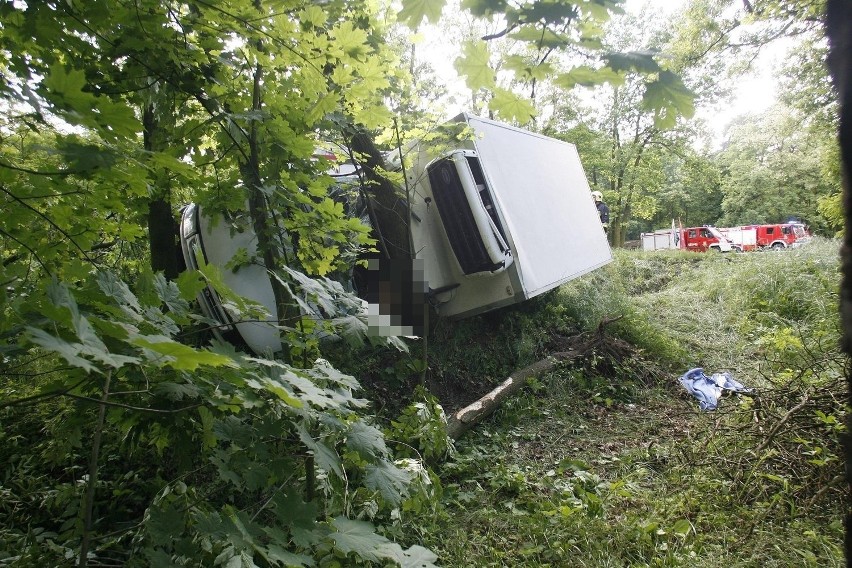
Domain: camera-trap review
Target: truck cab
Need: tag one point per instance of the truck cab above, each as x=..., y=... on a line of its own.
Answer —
x=779, y=235
x=703, y=239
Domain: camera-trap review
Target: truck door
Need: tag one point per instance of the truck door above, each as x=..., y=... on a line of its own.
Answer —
x=768, y=236
x=693, y=240
x=789, y=233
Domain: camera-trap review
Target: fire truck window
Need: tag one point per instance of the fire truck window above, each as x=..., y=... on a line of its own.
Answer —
x=693, y=233
x=770, y=230
x=705, y=233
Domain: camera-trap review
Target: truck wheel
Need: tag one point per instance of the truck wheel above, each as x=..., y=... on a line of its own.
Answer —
x=777, y=246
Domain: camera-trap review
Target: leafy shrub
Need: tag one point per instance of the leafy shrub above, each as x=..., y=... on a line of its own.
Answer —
x=201, y=455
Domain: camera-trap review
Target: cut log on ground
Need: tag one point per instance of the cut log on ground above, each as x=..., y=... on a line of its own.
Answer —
x=463, y=420
x=575, y=347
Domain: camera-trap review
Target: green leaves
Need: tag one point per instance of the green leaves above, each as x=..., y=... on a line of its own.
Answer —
x=156, y=102
x=350, y=39
x=361, y=539
x=326, y=457
x=510, y=106
x=80, y=353
x=474, y=65
x=89, y=348
x=71, y=352
x=587, y=76
x=669, y=98
x=639, y=61
x=164, y=351
x=547, y=28
x=389, y=480
x=367, y=440
x=67, y=91
x=413, y=11
x=358, y=537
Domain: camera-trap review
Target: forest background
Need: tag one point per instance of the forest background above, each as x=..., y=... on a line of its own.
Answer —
x=128, y=436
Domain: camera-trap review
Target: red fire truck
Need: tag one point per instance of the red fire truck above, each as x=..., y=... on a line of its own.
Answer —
x=697, y=239
x=779, y=235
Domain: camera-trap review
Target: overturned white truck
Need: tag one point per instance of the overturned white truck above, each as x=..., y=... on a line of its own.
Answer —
x=502, y=217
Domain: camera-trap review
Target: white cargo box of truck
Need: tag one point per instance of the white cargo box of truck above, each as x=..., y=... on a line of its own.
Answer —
x=502, y=217
x=742, y=238
x=661, y=239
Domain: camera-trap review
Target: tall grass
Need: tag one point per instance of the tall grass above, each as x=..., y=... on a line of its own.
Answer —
x=752, y=314
x=583, y=470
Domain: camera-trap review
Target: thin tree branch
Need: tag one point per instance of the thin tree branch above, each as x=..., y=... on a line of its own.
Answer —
x=51, y=222
x=129, y=407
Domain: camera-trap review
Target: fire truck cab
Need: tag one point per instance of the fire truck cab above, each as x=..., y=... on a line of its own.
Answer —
x=704, y=239
x=780, y=235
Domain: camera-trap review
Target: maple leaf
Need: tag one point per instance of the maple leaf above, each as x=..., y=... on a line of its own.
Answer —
x=326, y=457
x=389, y=480
x=178, y=356
x=640, y=61
x=69, y=351
x=418, y=557
x=366, y=440
x=511, y=106
x=351, y=40
x=589, y=77
x=473, y=65
x=359, y=537
x=668, y=97
x=543, y=38
x=413, y=12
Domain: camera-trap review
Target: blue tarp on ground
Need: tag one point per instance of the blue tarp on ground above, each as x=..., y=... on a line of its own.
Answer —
x=708, y=389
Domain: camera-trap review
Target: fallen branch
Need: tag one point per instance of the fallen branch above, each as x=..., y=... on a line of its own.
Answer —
x=780, y=424
x=463, y=420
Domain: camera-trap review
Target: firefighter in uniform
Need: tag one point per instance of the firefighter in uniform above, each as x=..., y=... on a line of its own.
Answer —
x=603, y=209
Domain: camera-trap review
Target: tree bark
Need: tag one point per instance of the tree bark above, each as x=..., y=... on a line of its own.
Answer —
x=388, y=208
x=286, y=311
x=839, y=31
x=162, y=226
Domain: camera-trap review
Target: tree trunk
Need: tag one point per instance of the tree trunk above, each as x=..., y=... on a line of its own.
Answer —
x=287, y=312
x=162, y=226
x=388, y=208
x=839, y=30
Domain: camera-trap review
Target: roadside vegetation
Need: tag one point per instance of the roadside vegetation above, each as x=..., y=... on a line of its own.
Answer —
x=131, y=436
x=605, y=462
x=620, y=468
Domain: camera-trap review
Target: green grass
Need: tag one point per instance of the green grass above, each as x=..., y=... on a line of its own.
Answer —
x=584, y=469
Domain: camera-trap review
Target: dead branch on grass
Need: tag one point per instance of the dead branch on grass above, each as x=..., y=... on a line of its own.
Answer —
x=605, y=349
